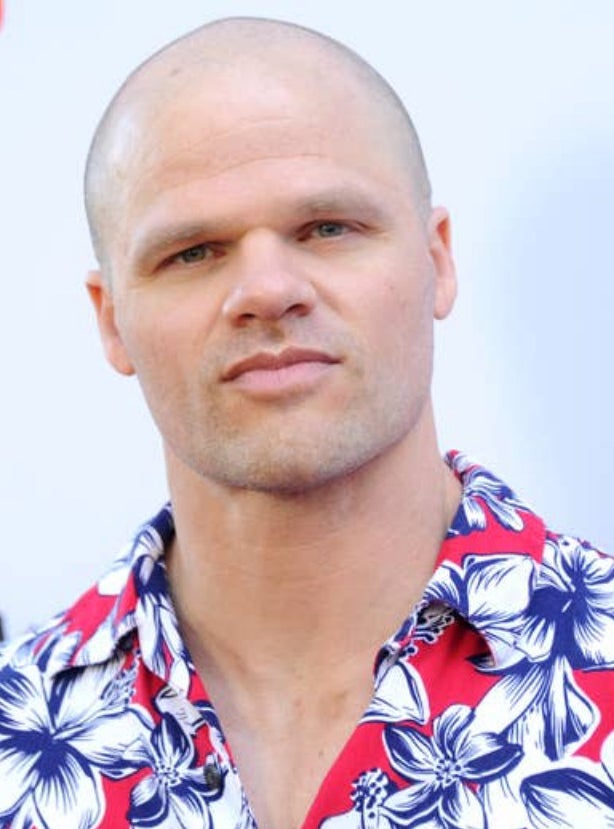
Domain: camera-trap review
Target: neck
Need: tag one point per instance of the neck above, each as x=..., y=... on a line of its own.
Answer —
x=256, y=576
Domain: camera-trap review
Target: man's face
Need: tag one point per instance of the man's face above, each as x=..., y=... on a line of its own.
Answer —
x=273, y=286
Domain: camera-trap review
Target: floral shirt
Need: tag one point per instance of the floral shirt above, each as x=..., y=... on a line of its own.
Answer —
x=493, y=704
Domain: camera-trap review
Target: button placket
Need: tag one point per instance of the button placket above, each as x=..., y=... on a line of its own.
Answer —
x=213, y=776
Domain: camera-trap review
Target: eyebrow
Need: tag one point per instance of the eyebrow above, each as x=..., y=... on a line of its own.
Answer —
x=343, y=201
x=330, y=203
x=163, y=238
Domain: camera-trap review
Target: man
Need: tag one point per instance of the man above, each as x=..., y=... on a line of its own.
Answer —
x=328, y=626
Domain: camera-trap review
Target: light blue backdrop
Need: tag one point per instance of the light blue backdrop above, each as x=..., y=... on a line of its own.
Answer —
x=515, y=105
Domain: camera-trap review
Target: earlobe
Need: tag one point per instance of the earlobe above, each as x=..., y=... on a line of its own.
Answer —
x=102, y=300
x=441, y=254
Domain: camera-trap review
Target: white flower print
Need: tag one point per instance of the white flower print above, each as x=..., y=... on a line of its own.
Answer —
x=444, y=769
x=573, y=609
x=400, y=695
x=54, y=745
x=484, y=494
x=369, y=793
x=162, y=646
x=492, y=592
x=173, y=795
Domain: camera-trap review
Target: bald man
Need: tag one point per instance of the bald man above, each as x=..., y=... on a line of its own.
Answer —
x=329, y=626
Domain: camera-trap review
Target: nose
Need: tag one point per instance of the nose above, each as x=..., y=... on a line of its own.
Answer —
x=269, y=282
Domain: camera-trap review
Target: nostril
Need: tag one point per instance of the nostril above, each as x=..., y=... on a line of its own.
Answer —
x=271, y=301
x=242, y=320
x=298, y=309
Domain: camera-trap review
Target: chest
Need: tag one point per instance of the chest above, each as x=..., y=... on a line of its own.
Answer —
x=283, y=761
x=437, y=737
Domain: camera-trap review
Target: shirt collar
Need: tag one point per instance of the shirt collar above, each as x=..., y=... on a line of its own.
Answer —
x=103, y=620
x=487, y=567
x=485, y=571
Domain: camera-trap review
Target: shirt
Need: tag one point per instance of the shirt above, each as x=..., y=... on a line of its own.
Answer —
x=493, y=703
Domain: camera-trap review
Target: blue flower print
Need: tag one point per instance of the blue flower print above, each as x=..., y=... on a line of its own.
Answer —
x=55, y=745
x=569, y=626
x=173, y=796
x=162, y=647
x=483, y=492
x=568, y=798
x=51, y=647
x=579, y=795
x=543, y=704
x=443, y=770
x=572, y=612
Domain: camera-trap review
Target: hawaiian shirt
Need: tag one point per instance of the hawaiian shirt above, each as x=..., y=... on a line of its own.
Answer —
x=493, y=703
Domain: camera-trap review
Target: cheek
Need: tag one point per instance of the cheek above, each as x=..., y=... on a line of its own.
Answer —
x=401, y=308
x=157, y=359
x=163, y=334
x=399, y=321
x=164, y=360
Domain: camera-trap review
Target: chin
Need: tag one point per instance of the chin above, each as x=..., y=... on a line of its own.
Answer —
x=277, y=478
x=291, y=467
x=296, y=458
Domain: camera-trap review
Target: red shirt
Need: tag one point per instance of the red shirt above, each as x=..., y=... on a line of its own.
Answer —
x=493, y=704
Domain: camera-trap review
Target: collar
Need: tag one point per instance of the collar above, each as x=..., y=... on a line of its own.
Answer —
x=485, y=572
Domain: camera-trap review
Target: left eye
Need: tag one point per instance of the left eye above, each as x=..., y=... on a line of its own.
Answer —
x=328, y=230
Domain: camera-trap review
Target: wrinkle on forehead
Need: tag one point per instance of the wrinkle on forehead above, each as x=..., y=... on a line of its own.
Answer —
x=289, y=62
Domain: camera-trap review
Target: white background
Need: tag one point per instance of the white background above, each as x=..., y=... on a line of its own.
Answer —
x=515, y=105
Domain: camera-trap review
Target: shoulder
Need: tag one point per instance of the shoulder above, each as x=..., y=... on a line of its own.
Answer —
x=575, y=564
x=97, y=624
x=574, y=589
x=564, y=549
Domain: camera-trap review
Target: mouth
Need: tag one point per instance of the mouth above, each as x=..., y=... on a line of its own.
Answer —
x=292, y=369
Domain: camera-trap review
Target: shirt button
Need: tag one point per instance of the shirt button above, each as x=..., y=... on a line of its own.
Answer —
x=213, y=777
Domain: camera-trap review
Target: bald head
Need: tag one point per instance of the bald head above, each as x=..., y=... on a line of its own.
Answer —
x=285, y=56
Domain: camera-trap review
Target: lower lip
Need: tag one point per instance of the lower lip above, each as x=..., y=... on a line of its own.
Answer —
x=293, y=378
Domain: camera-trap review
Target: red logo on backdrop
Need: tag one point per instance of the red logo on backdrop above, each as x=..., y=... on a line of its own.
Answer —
x=1, y=12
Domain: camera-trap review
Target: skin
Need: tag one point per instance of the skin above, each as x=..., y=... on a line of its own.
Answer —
x=249, y=44
x=287, y=232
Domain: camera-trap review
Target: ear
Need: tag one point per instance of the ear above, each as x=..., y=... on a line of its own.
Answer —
x=102, y=300
x=441, y=254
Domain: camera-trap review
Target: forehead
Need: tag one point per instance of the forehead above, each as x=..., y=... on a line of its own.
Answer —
x=237, y=113
x=220, y=127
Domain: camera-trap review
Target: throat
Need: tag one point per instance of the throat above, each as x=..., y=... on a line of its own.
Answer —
x=286, y=733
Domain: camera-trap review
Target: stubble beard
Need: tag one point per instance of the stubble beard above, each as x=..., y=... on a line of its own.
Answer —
x=302, y=445
x=300, y=457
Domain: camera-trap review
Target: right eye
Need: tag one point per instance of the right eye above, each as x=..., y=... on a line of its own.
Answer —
x=193, y=255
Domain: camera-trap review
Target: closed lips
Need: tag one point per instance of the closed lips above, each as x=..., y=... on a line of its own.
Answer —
x=265, y=361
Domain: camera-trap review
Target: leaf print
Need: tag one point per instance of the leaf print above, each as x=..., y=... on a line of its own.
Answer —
x=568, y=799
